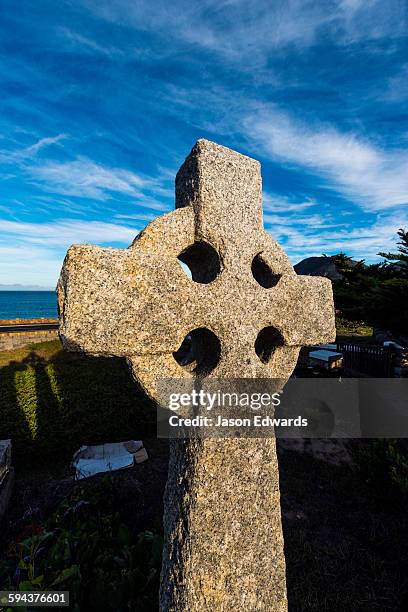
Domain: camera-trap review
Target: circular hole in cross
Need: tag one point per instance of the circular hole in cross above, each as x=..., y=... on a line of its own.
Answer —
x=199, y=352
x=262, y=273
x=200, y=262
x=266, y=342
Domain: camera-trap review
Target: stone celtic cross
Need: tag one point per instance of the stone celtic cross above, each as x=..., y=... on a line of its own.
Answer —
x=246, y=314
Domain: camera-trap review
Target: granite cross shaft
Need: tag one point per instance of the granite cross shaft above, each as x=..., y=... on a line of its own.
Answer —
x=246, y=314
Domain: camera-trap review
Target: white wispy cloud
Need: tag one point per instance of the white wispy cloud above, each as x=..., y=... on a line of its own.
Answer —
x=64, y=232
x=360, y=168
x=278, y=203
x=26, y=153
x=77, y=40
x=44, y=142
x=374, y=177
x=32, y=253
x=28, y=265
x=312, y=222
x=153, y=204
x=143, y=216
x=240, y=28
x=83, y=177
x=300, y=240
x=396, y=89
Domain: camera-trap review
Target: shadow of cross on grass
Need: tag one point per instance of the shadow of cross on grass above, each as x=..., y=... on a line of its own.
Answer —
x=52, y=402
x=39, y=402
x=247, y=314
x=28, y=406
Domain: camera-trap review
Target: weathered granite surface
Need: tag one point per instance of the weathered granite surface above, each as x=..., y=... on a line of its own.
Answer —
x=224, y=545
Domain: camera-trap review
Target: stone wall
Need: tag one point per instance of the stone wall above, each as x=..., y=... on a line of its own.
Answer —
x=37, y=321
x=18, y=339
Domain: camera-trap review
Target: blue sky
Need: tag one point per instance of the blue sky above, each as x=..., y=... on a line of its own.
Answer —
x=101, y=101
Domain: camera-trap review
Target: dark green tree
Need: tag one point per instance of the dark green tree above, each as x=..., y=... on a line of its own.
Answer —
x=376, y=294
x=387, y=308
x=401, y=258
x=347, y=266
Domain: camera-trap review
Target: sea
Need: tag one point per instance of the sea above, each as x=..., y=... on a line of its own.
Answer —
x=28, y=304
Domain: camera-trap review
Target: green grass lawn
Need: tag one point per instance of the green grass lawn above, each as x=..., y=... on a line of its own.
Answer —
x=51, y=400
x=353, y=329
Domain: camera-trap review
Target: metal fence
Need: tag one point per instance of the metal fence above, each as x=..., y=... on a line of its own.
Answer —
x=367, y=360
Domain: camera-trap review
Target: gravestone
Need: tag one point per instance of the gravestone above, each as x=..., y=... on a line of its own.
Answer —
x=247, y=314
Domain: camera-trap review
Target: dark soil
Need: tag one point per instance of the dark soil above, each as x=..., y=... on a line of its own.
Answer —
x=345, y=545
x=40, y=487
x=345, y=548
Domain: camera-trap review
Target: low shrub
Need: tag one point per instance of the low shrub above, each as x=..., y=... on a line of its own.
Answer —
x=86, y=548
x=384, y=465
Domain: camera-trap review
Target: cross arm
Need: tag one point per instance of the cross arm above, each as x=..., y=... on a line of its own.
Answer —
x=120, y=302
x=302, y=309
